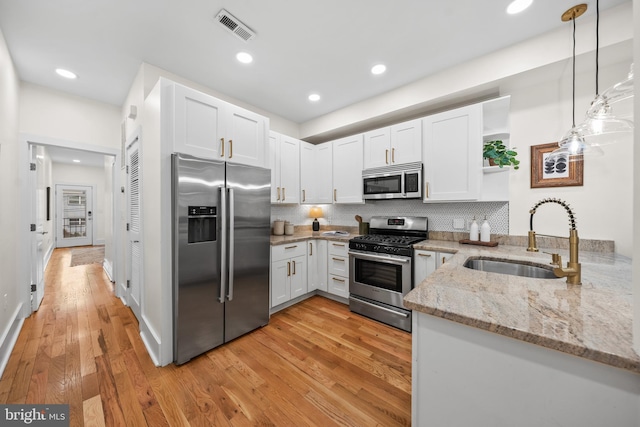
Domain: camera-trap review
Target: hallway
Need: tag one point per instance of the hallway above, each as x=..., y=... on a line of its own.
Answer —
x=314, y=364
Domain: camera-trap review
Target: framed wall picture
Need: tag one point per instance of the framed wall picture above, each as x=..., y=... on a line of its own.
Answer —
x=554, y=170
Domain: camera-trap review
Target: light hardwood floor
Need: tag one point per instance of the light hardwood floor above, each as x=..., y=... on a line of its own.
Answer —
x=315, y=364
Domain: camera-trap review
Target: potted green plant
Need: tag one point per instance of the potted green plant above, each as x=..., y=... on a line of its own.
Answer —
x=499, y=155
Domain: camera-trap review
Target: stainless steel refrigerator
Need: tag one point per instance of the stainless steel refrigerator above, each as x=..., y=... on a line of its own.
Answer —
x=221, y=227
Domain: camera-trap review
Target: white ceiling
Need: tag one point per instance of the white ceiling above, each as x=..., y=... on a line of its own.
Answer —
x=301, y=46
x=68, y=155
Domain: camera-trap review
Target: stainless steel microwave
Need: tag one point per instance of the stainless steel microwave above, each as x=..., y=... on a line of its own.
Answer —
x=393, y=182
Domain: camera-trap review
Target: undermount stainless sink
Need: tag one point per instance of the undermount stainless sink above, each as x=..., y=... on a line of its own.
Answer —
x=513, y=268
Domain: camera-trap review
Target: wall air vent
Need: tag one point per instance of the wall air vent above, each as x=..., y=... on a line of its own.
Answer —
x=234, y=25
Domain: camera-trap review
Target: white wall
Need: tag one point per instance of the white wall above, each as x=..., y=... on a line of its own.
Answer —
x=636, y=191
x=541, y=114
x=67, y=117
x=91, y=176
x=10, y=298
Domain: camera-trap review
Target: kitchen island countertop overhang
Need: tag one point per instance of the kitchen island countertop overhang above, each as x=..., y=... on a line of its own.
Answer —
x=592, y=320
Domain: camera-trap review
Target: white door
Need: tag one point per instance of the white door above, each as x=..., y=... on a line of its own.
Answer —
x=38, y=207
x=134, y=234
x=74, y=218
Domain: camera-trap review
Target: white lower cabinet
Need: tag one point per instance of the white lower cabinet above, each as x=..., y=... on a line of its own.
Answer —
x=288, y=272
x=426, y=262
x=338, y=262
x=316, y=265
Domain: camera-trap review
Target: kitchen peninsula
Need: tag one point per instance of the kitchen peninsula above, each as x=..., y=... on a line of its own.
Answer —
x=522, y=351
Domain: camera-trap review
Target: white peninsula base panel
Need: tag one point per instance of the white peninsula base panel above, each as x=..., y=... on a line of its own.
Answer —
x=464, y=376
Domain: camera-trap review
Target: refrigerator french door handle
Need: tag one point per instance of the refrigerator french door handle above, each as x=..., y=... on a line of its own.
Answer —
x=223, y=243
x=231, y=242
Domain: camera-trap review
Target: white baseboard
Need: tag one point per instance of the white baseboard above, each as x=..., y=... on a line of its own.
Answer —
x=9, y=338
x=108, y=269
x=151, y=341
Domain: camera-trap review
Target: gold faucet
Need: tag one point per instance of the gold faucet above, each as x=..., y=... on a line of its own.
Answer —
x=572, y=271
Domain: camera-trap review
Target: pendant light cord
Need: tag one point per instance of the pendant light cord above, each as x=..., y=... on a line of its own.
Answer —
x=597, y=41
x=573, y=112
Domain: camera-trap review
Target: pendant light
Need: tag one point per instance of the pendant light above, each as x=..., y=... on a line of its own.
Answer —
x=599, y=119
x=572, y=144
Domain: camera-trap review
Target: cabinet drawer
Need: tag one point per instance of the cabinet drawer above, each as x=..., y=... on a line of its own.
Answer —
x=338, y=286
x=290, y=250
x=339, y=265
x=339, y=248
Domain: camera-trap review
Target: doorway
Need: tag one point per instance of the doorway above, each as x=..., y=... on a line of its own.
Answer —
x=74, y=215
x=34, y=203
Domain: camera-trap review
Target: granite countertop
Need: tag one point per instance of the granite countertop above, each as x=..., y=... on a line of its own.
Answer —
x=592, y=320
x=301, y=236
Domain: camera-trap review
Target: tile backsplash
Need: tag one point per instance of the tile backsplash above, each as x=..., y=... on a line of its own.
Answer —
x=441, y=215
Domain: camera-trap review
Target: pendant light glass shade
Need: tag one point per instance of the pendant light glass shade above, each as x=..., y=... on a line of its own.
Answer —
x=600, y=119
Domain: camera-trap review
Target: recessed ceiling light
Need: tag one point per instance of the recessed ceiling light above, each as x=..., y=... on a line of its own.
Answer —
x=378, y=69
x=517, y=6
x=314, y=97
x=66, y=73
x=244, y=57
x=76, y=161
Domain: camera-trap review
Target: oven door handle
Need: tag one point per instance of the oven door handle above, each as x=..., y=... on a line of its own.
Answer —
x=393, y=260
x=379, y=307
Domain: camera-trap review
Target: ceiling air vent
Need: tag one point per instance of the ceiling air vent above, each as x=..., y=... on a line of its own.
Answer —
x=234, y=25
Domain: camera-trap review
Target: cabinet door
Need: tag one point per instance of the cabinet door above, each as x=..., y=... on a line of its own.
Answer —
x=317, y=265
x=198, y=123
x=324, y=173
x=245, y=137
x=289, y=169
x=406, y=142
x=347, y=170
x=377, y=148
x=274, y=164
x=280, y=282
x=308, y=174
x=316, y=181
x=424, y=265
x=442, y=258
x=298, y=276
x=452, y=154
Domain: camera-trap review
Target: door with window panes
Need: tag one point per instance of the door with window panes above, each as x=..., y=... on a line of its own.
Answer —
x=74, y=215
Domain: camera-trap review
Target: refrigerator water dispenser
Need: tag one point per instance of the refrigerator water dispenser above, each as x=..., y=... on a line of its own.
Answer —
x=202, y=224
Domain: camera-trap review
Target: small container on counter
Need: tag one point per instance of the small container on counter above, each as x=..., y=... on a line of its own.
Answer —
x=288, y=228
x=278, y=227
x=473, y=230
x=485, y=231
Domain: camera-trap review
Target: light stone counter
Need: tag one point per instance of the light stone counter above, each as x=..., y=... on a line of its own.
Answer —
x=593, y=320
x=303, y=233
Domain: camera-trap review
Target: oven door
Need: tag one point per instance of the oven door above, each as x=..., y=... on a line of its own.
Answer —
x=384, y=278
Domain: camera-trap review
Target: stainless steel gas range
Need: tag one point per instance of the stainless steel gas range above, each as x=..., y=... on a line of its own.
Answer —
x=381, y=268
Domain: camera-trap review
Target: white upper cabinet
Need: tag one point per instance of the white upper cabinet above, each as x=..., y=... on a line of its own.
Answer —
x=284, y=155
x=246, y=137
x=398, y=144
x=452, y=154
x=198, y=123
x=207, y=127
x=316, y=173
x=406, y=142
x=377, y=144
x=347, y=169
